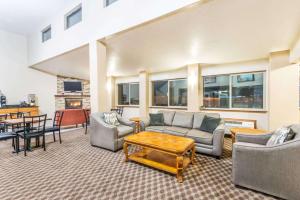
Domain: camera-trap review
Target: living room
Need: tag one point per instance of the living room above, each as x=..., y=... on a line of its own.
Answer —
x=197, y=112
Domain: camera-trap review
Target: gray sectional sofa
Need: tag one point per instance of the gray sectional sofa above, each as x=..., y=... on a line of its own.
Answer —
x=188, y=124
x=108, y=136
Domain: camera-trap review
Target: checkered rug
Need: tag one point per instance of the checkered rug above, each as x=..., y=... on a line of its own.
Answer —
x=76, y=170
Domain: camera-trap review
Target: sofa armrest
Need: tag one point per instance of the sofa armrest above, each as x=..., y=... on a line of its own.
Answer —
x=144, y=123
x=255, y=139
x=218, y=140
x=265, y=168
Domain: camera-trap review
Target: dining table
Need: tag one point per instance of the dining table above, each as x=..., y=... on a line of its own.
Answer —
x=20, y=121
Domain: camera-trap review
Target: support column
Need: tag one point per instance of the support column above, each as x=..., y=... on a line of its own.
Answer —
x=283, y=79
x=98, y=73
x=194, y=89
x=144, y=94
x=110, y=87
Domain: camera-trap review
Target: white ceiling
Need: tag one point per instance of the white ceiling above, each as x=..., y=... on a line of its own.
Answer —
x=71, y=64
x=24, y=16
x=220, y=31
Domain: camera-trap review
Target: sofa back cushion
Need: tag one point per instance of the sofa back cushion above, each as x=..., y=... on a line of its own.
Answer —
x=296, y=130
x=168, y=116
x=183, y=119
x=199, y=116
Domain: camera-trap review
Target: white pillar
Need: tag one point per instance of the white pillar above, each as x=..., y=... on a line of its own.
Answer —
x=143, y=94
x=283, y=79
x=98, y=79
x=194, y=91
x=110, y=87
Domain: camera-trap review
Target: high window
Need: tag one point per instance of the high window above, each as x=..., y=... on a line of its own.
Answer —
x=242, y=91
x=108, y=2
x=128, y=94
x=171, y=93
x=73, y=17
x=46, y=34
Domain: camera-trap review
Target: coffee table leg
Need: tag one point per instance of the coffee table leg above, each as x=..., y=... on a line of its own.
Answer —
x=125, y=149
x=193, y=155
x=179, y=165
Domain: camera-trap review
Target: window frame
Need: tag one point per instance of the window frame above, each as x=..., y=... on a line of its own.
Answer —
x=264, y=107
x=129, y=84
x=71, y=12
x=168, y=93
x=48, y=28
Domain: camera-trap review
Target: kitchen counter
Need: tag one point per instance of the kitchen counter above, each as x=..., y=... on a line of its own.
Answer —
x=33, y=110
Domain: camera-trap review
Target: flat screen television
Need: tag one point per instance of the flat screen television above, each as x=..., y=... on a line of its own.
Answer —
x=72, y=86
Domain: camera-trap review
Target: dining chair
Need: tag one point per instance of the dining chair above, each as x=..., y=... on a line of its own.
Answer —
x=58, y=116
x=3, y=126
x=34, y=127
x=8, y=136
x=118, y=110
x=16, y=115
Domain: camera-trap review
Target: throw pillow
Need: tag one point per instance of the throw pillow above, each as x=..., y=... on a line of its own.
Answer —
x=278, y=136
x=209, y=124
x=291, y=135
x=111, y=119
x=156, y=119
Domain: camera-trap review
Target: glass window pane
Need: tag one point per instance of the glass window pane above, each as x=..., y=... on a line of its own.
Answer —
x=160, y=93
x=46, y=34
x=74, y=17
x=178, y=93
x=123, y=94
x=248, y=90
x=216, y=91
x=134, y=94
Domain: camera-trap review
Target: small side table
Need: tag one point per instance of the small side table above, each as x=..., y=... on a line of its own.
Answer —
x=137, y=122
x=246, y=131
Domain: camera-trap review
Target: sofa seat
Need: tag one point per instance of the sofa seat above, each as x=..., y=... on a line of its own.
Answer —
x=124, y=130
x=160, y=129
x=176, y=130
x=201, y=136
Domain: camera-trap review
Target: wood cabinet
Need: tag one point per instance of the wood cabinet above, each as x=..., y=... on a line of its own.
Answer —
x=33, y=110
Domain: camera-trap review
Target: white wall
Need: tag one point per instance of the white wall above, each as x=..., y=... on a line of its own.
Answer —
x=17, y=80
x=98, y=22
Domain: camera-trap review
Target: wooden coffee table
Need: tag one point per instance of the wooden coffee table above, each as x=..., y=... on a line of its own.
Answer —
x=162, y=151
x=246, y=131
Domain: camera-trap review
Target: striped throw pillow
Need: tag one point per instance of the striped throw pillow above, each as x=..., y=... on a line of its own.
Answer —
x=111, y=119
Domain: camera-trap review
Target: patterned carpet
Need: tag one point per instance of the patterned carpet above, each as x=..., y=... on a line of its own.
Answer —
x=75, y=170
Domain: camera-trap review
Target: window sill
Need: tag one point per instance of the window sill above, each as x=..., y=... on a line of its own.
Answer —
x=234, y=110
x=169, y=108
x=128, y=106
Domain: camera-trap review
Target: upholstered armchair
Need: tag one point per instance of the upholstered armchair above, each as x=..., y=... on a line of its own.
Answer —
x=274, y=170
x=107, y=136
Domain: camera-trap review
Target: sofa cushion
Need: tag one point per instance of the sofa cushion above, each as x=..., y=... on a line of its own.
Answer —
x=176, y=130
x=124, y=130
x=209, y=124
x=201, y=136
x=155, y=128
x=198, y=118
x=156, y=119
x=168, y=116
x=183, y=119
